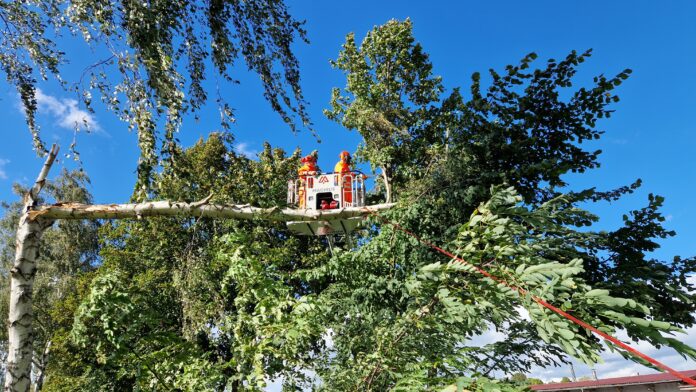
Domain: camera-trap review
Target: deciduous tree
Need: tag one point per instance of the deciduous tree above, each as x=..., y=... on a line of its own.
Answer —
x=194, y=303
x=68, y=250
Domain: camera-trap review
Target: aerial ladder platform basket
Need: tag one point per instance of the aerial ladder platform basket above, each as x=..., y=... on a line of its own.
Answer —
x=326, y=191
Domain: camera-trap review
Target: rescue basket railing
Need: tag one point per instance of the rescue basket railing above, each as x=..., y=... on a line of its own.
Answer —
x=297, y=189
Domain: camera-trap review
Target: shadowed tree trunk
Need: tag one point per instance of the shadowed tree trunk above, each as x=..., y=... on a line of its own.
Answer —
x=41, y=367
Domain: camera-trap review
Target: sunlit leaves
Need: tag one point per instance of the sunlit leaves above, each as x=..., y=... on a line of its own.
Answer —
x=531, y=266
x=389, y=95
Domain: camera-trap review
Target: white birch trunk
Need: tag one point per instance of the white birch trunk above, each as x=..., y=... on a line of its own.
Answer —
x=41, y=367
x=20, y=333
x=387, y=184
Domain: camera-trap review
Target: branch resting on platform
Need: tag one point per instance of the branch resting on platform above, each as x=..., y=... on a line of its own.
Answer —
x=195, y=209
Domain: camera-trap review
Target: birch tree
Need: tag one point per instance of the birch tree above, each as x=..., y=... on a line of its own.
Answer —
x=159, y=52
x=68, y=249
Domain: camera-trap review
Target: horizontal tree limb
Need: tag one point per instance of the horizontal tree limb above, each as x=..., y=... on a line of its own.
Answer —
x=195, y=209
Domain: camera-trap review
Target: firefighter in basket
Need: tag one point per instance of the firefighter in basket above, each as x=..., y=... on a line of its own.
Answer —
x=345, y=169
x=306, y=172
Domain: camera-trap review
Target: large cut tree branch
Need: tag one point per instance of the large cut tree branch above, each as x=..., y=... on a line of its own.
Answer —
x=194, y=209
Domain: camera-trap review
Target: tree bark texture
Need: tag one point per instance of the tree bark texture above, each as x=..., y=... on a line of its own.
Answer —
x=41, y=365
x=386, y=177
x=20, y=332
x=195, y=209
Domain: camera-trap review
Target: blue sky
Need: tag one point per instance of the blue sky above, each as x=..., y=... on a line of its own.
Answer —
x=651, y=136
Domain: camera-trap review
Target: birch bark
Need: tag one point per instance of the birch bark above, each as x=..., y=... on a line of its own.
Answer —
x=20, y=332
x=195, y=209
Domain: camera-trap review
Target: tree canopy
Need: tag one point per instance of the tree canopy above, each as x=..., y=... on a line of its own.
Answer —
x=191, y=303
x=153, y=59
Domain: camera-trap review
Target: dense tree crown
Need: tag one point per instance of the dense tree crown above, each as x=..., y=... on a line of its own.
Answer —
x=200, y=304
x=391, y=97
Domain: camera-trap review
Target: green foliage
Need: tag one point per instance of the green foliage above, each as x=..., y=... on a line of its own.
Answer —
x=534, y=381
x=526, y=129
x=389, y=97
x=25, y=46
x=482, y=384
x=198, y=304
x=155, y=59
x=520, y=130
x=414, y=315
x=626, y=269
x=540, y=261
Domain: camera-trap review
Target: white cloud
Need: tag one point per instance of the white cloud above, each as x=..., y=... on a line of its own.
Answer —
x=66, y=112
x=488, y=337
x=691, y=280
x=616, y=366
x=244, y=149
x=3, y=173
